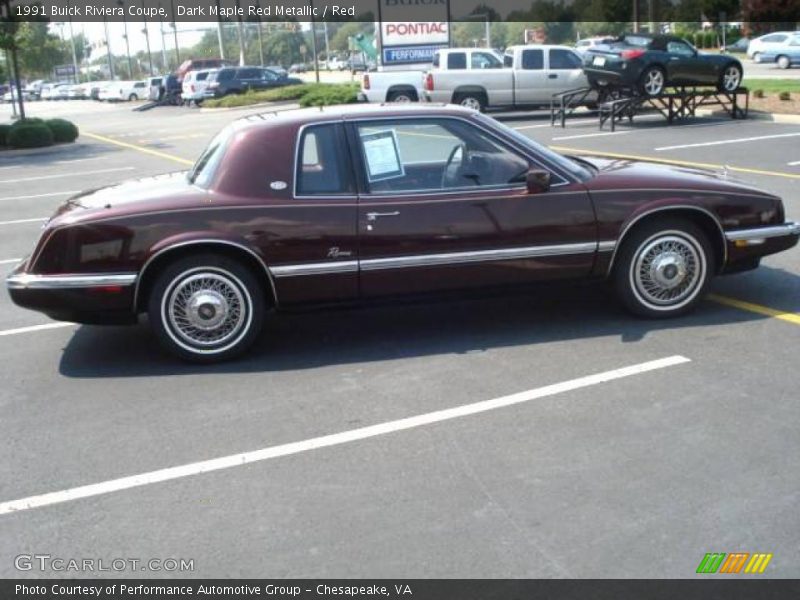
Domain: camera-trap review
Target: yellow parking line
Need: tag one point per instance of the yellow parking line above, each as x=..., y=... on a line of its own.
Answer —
x=108, y=140
x=756, y=308
x=682, y=163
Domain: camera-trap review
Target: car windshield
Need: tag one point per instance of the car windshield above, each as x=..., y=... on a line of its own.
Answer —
x=638, y=41
x=203, y=170
x=573, y=167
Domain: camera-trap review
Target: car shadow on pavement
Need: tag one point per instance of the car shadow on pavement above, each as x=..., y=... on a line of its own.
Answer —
x=297, y=341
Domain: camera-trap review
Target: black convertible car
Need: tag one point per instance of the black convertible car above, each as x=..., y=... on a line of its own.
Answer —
x=650, y=63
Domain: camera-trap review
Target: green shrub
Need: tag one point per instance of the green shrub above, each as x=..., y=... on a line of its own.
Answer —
x=758, y=93
x=4, y=129
x=30, y=135
x=339, y=94
x=63, y=130
x=28, y=121
x=785, y=96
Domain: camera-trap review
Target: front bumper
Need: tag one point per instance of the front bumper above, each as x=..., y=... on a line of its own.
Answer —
x=91, y=298
x=748, y=246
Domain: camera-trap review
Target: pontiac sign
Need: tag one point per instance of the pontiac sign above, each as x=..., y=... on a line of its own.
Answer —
x=396, y=33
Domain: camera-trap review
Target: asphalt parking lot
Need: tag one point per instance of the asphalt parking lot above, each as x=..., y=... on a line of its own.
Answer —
x=636, y=473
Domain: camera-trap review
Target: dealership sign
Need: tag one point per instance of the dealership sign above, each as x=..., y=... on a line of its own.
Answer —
x=404, y=55
x=396, y=33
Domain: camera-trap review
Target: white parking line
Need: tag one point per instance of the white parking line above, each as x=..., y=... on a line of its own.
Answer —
x=34, y=328
x=78, y=174
x=794, y=163
x=69, y=193
x=30, y=165
x=20, y=221
x=736, y=141
x=325, y=441
x=8, y=261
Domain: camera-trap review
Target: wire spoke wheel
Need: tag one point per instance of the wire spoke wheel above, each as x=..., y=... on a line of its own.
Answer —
x=667, y=270
x=206, y=309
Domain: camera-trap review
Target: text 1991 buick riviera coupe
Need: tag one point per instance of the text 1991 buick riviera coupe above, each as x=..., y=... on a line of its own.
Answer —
x=355, y=203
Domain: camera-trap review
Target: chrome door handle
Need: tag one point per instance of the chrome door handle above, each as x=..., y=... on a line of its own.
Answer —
x=373, y=216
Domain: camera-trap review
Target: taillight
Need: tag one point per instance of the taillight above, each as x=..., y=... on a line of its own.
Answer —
x=366, y=81
x=631, y=54
x=429, y=82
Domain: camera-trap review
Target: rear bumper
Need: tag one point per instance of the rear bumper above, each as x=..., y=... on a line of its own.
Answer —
x=94, y=298
x=748, y=245
x=604, y=77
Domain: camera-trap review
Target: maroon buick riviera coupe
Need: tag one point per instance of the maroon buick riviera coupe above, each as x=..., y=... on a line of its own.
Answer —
x=354, y=203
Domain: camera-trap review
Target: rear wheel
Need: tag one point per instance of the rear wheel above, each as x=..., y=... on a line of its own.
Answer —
x=663, y=268
x=730, y=78
x=206, y=308
x=653, y=81
x=402, y=97
x=473, y=100
x=784, y=62
x=757, y=57
x=132, y=97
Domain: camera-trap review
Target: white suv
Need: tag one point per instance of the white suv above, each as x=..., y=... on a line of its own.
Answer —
x=124, y=90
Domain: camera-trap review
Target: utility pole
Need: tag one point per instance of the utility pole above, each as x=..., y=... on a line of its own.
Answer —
x=127, y=41
x=175, y=34
x=146, y=33
x=72, y=43
x=260, y=43
x=314, y=41
x=636, y=16
x=163, y=43
x=108, y=51
x=219, y=34
x=240, y=31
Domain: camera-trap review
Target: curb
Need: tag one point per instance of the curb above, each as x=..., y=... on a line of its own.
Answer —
x=755, y=116
x=276, y=106
x=55, y=149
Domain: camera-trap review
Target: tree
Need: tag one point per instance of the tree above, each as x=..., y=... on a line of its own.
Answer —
x=340, y=42
x=39, y=50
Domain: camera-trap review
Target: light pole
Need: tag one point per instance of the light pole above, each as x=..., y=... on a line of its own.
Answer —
x=219, y=34
x=125, y=35
x=72, y=44
x=108, y=51
x=175, y=34
x=314, y=41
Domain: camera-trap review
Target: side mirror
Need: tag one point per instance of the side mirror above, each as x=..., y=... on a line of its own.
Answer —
x=538, y=181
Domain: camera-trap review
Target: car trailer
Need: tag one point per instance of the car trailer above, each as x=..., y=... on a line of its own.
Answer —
x=616, y=104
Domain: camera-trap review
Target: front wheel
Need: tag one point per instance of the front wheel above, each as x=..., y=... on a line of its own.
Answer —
x=206, y=308
x=730, y=78
x=784, y=62
x=757, y=57
x=663, y=268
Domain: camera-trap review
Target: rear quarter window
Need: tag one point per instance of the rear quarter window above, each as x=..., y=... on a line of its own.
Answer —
x=457, y=60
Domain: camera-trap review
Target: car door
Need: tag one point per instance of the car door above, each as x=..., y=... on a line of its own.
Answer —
x=685, y=65
x=313, y=240
x=531, y=78
x=443, y=205
x=564, y=71
x=249, y=78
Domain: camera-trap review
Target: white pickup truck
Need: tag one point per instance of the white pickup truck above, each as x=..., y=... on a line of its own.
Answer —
x=391, y=86
x=523, y=77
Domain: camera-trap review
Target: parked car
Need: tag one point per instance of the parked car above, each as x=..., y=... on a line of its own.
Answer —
x=201, y=64
x=769, y=41
x=278, y=70
x=118, y=91
x=194, y=85
x=34, y=88
x=298, y=68
x=237, y=80
x=739, y=45
x=525, y=76
x=53, y=91
x=11, y=95
x=78, y=91
x=651, y=63
x=784, y=56
x=378, y=202
x=583, y=45
x=95, y=87
x=154, y=85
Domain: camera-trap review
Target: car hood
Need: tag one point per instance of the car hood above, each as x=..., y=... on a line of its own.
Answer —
x=629, y=174
x=161, y=192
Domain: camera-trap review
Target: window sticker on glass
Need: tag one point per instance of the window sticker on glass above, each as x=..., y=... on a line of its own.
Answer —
x=382, y=155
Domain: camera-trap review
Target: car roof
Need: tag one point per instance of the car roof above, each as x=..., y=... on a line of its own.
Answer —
x=345, y=112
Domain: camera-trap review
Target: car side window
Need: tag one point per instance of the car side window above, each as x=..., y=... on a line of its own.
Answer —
x=436, y=59
x=564, y=59
x=508, y=60
x=322, y=164
x=435, y=155
x=457, y=60
x=680, y=48
x=775, y=39
x=484, y=60
x=533, y=60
